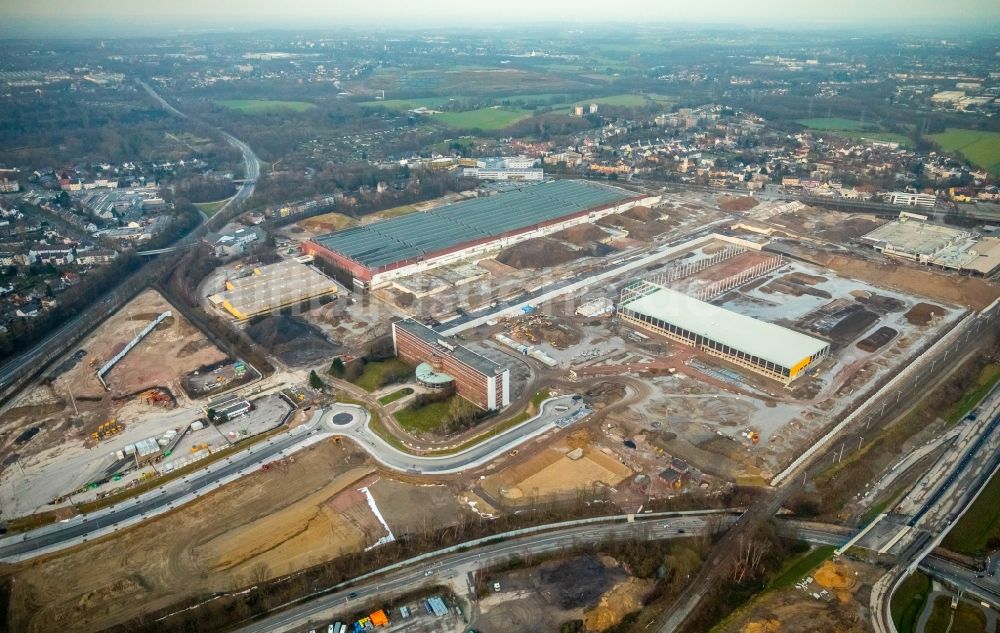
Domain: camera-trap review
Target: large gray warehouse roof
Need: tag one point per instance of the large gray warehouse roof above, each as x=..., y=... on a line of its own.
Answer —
x=414, y=235
x=770, y=342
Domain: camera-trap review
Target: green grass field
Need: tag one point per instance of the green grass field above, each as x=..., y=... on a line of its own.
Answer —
x=408, y=104
x=940, y=616
x=630, y=100
x=483, y=119
x=834, y=124
x=395, y=395
x=394, y=212
x=539, y=397
x=850, y=128
x=375, y=373
x=968, y=618
x=426, y=418
x=211, y=208
x=978, y=147
x=988, y=377
x=795, y=569
x=908, y=602
x=261, y=106
x=622, y=100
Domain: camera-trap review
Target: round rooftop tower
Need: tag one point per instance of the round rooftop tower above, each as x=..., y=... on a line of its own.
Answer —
x=436, y=380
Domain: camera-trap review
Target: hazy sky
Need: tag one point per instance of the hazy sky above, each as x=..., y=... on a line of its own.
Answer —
x=117, y=17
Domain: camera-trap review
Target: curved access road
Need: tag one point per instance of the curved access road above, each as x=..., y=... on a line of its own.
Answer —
x=557, y=412
x=341, y=419
x=318, y=611
x=251, y=164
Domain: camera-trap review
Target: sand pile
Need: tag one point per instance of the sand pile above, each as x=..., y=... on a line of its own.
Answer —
x=624, y=598
x=838, y=578
x=764, y=626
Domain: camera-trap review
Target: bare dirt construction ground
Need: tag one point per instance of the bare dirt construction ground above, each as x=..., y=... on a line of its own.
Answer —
x=595, y=589
x=302, y=513
x=551, y=473
x=333, y=520
x=842, y=608
x=327, y=223
x=815, y=222
x=555, y=332
x=967, y=291
x=642, y=230
x=737, y=203
x=292, y=339
x=174, y=349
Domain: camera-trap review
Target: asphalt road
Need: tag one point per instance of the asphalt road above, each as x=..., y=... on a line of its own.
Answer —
x=80, y=528
x=976, y=583
x=444, y=565
x=955, y=494
x=251, y=165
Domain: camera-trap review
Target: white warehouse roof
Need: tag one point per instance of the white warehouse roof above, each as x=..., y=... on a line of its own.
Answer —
x=764, y=340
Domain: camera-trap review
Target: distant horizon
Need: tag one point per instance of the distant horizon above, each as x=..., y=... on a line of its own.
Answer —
x=119, y=19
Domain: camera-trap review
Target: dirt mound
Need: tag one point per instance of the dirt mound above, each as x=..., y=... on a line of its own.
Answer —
x=877, y=339
x=924, y=313
x=328, y=222
x=193, y=347
x=641, y=213
x=541, y=252
x=291, y=339
x=581, y=438
x=803, y=278
x=605, y=393
x=737, y=203
x=879, y=302
x=848, y=230
x=581, y=234
x=280, y=330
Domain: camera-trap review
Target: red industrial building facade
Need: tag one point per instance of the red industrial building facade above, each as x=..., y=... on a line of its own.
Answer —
x=477, y=378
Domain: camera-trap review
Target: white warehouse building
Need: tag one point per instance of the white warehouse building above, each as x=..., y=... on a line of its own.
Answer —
x=764, y=348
